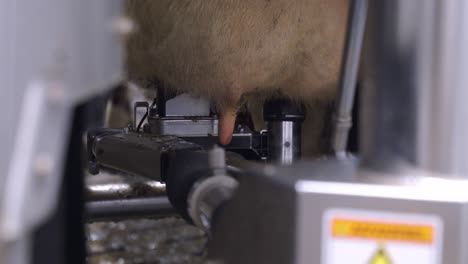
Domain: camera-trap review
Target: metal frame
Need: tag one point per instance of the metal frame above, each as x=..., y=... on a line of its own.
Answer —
x=54, y=55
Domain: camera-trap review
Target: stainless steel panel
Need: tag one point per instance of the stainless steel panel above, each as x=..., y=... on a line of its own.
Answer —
x=276, y=216
x=53, y=54
x=414, y=110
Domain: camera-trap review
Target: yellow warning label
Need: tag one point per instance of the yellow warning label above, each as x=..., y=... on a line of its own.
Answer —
x=380, y=257
x=382, y=231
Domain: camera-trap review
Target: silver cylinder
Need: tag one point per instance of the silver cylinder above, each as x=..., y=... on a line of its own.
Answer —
x=414, y=109
x=284, y=142
x=117, y=197
x=140, y=188
x=153, y=207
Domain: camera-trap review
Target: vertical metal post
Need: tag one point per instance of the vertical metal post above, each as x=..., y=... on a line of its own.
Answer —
x=414, y=110
x=349, y=73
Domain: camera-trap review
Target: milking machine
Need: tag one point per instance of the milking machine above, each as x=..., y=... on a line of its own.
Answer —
x=402, y=199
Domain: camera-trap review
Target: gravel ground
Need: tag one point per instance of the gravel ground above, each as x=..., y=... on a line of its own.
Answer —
x=162, y=241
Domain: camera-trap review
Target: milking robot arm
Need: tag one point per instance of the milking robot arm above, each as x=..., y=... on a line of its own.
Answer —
x=143, y=151
x=178, y=151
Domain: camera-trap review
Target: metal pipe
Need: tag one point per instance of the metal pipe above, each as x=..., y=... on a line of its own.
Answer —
x=155, y=207
x=414, y=110
x=348, y=78
x=125, y=190
x=118, y=196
